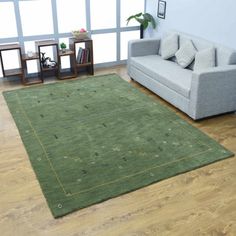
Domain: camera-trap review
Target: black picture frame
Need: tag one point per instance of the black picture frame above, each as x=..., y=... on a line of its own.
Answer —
x=161, y=12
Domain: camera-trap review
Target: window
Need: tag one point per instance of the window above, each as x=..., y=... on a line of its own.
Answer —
x=128, y=8
x=103, y=14
x=7, y=14
x=71, y=15
x=104, y=46
x=36, y=17
x=125, y=37
x=32, y=20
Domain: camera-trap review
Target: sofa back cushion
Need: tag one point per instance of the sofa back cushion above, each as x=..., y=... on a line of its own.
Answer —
x=205, y=59
x=169, y=46
x=224, y=55
x=186, y=54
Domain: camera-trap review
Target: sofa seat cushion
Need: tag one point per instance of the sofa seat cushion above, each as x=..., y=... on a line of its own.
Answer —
x=165, y=72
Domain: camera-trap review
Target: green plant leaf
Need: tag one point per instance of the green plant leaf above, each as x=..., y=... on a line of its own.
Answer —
x=143, y=19
x=139, y=14
x=134, y=17
x=63, y=45
x=145, y=24
x=140, y=20
x=150, y=19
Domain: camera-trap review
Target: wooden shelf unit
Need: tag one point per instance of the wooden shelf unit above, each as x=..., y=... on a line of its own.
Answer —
x=75, y=67
x=29, y=79
x=73, y=70
x=88, y=44
x=48, y=43
x=12, y=72
x=35, y=56
x=16, y=71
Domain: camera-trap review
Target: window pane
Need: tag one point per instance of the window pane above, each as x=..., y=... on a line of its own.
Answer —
x=36, y=17
x=128, y=8
x=11, y=59
x=48, y=50
x=32, y=66
x=30, y=46
x=104, y=47
x=7, y=20
x=124, y=38
x=103, y=14
x=71, y=15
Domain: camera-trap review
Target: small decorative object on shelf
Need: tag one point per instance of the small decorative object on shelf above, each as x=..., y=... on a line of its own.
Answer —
x=47, y=62
x=80, y=34
x=30, y=54
x=48, y=66
x=63, y=47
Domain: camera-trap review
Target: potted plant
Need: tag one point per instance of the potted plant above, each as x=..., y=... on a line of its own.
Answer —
x=63, y=47
x=143, y=19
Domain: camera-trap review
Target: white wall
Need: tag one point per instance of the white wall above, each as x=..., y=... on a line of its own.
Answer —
x=214, y=20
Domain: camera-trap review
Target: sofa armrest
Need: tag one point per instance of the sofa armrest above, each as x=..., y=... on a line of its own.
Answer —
x=213, y=91
x=143, y=47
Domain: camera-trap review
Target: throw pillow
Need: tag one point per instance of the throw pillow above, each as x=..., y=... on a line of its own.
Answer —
x=169, y=46
x=186, y=54
x=205, y=58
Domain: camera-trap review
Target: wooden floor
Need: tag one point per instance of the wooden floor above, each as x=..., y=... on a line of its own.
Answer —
x=200, y=202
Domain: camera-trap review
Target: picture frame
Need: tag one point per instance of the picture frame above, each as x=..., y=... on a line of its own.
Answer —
x=161, y=12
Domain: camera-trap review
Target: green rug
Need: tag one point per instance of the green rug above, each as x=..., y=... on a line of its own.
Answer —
x=93, y=139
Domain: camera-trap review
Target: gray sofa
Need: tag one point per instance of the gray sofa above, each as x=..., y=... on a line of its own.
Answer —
x=200, y=93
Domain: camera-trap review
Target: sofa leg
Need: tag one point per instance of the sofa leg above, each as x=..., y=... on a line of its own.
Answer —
x=131, y=78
